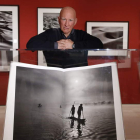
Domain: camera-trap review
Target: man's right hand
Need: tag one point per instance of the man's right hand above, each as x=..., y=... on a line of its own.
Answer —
x=61, y=45
x=64, y=44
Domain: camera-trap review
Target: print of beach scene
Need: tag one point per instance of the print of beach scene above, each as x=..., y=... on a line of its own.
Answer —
x=56, y=105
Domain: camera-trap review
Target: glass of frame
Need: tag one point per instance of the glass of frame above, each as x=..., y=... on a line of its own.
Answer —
x=9, y=35
x=114, y=35
x=47, y=18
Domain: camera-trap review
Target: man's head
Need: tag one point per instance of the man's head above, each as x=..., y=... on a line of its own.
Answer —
x=67, y=20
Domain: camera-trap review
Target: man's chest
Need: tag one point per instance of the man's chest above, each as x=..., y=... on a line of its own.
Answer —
x=56, y=36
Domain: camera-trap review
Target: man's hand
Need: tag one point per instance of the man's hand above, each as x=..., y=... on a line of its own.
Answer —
x=64, y=44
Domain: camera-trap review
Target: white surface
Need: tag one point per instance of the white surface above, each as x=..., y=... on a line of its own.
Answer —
x=9, y=120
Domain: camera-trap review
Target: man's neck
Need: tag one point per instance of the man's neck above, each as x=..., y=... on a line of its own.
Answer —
x=66, y=35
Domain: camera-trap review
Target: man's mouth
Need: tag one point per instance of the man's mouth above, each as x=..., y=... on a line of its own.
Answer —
x=66, y=28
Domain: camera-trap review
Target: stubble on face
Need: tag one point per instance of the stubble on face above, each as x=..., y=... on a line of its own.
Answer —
x=67, y=20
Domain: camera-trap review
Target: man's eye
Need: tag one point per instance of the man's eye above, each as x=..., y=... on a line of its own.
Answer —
x=71, y=19
x=63, y=19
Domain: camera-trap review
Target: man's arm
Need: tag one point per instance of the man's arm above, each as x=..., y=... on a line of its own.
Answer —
x=41, y=41
x=86, y=41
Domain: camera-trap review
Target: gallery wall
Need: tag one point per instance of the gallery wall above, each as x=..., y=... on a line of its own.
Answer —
x=87, y=10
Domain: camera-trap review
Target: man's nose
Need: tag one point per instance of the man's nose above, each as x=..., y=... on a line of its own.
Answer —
x=67, y=23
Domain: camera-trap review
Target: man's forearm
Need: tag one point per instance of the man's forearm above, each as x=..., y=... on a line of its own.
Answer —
x=37, y=43
x=88, y=44
x=87, y=41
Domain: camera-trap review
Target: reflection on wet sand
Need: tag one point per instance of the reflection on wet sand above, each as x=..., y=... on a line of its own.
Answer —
x=99, y=124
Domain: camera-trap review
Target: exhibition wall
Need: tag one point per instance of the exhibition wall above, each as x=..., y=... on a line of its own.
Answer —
x=90, y=10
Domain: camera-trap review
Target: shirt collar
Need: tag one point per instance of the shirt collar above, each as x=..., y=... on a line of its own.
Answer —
x=69, y=34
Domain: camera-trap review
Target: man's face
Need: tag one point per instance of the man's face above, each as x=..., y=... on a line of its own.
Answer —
x=67, y=21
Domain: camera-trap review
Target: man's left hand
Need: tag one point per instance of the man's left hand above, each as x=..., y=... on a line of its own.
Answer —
x=67, y=43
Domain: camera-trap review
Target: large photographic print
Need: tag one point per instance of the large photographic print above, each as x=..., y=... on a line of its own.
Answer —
x=89, y=104
x=114, y=35
x=8, y=36
x=47, y=18
x=59, y=104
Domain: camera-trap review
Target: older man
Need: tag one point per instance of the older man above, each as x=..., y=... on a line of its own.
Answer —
x=65, y=38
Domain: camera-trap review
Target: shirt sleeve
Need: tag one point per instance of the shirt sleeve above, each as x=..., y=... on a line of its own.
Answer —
x=55, y=45
x=87, y=41
x=41, y=42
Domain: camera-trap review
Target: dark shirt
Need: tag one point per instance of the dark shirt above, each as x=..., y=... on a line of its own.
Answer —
x=68, y=58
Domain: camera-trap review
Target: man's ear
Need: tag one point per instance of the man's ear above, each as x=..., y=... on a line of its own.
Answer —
x=75, y=21
x=59, y=20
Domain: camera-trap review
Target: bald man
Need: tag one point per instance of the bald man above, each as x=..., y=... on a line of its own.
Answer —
x=67, y=20
x=65, y=38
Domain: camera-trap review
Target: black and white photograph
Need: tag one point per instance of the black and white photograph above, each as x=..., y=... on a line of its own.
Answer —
x=50, y=20
x=6, y=29
x=114, y=35
x=89, y=104
x=55, y=103
x=8, y=36
x=47, y=18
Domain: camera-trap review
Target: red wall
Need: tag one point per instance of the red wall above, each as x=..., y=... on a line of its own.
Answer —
x=87, y=10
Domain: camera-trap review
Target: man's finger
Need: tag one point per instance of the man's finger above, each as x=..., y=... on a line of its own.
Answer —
x=61, y=48
x=62, y=41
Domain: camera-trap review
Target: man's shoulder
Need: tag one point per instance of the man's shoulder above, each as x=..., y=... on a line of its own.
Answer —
x=52, y=30
x=79, y=31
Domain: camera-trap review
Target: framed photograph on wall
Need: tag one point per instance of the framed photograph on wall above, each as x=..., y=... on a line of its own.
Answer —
x=114, y=35
x=47, y=18
x=9, y=35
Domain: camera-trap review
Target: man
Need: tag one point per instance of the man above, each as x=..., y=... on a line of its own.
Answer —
x=72, y=111
x=65, y=38
x=80, y=109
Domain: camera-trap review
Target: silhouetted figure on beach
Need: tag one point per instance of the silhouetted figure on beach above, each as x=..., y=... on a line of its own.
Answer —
x=72, y=111
x=80, y=109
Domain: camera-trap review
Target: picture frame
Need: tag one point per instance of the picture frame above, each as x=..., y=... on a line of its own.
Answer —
x=113, y=34
x=25, y=115
x=47, y=18
x=9, y=38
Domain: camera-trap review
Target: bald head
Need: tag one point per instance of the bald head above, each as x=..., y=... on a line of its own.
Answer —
x=68, y=10
x=67, y=20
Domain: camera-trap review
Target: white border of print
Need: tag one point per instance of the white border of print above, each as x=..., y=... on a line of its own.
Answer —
x=15, y=10
x=41, y=58
x=9, y=119
x=124, y=24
